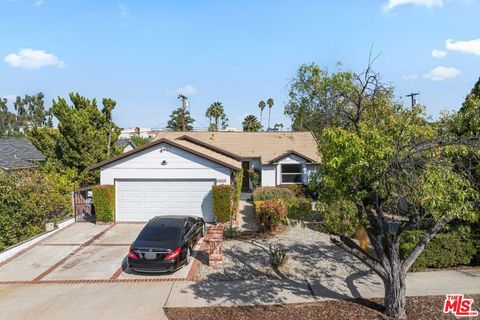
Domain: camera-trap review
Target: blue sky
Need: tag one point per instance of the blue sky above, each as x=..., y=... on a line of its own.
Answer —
x=142, y=53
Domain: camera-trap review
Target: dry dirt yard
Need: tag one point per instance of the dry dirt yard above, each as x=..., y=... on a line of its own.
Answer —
x=310, y=254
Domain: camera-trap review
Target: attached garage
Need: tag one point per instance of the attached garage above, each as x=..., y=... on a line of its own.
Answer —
x=141, y=200
x=166, y=178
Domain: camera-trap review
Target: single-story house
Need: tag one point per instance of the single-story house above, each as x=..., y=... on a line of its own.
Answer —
x=174, y=173
x=17, y=154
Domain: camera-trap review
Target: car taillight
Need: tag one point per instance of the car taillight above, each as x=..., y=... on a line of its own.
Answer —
x=174, y=254
x=131, y=253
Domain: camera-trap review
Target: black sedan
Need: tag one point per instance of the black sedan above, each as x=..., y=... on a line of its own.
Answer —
x=165, y=244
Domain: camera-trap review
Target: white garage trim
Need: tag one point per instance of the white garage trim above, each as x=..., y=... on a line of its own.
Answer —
x=139, y=200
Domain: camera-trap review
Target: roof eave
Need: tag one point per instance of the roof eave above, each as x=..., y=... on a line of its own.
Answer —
x=157, y=142
x=289, y=152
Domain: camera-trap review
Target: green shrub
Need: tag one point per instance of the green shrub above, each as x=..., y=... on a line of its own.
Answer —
x=257, y=204
x=222, y=202
x=255, y=177
x=339, y=218
x=278, y=255
x=237, y=185
x=104, y=202
x=28, y=200
x=272, y=213
x=298, y=190
x=299, y=208
x=272, y=193
x=443, y=251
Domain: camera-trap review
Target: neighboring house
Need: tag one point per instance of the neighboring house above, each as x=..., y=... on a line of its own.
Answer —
x=146, y=133
x=174, y=174
x=16, y=154
x=125, y=144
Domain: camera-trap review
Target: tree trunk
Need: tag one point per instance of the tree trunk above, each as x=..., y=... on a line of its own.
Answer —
x=395, y=294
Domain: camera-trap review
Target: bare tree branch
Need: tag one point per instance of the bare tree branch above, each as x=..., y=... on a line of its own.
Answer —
x=407, y=264
x=351, y=247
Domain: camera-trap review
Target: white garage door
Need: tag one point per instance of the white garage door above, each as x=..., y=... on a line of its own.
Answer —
x=141, y=200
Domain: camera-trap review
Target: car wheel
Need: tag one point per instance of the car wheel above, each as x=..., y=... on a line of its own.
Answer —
x=204, y=230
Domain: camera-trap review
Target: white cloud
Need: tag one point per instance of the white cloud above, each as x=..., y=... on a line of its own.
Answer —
x=441, y=73
x=469, y=46
x=410, y=76
x=187, y=90
x=39, y=3
x=33, y=59
x=439, y=53
x=392, y=4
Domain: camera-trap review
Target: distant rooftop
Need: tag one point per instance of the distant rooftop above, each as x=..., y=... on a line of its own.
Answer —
x=18, y=154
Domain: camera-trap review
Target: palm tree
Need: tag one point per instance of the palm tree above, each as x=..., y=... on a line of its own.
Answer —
x=217, y=113
x=251, y=124
x=261, y=105
x=270, y=105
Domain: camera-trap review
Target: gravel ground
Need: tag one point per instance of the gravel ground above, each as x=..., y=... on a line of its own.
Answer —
x=310, y=254
x=428, y=308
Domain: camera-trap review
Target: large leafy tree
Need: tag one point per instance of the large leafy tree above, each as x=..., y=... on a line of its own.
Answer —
x=251, y=124
x=86, y=135
x=7, y=120
x=178, y=118
x=466, y=124
x=318, y=99
x=216, y=114
x=382, y=165
x=31, y=111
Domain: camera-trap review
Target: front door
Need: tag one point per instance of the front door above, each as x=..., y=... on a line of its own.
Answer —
x=246, y=180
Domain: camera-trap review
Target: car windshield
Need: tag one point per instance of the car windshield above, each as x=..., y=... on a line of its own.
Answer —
x=159, y=232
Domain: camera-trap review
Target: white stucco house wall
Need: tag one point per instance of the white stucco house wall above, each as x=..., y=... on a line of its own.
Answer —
x=174, y=174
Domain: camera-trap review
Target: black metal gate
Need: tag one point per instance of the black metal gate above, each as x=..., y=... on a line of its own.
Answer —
x=83, y=205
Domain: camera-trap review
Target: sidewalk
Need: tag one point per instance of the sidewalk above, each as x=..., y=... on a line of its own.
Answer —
x=147, y=300
x=236, y=293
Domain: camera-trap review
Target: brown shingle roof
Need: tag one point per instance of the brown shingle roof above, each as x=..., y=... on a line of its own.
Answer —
x=181, y=144
x=268, y=146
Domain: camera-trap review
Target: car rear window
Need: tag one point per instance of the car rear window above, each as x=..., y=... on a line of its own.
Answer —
x=159, y=232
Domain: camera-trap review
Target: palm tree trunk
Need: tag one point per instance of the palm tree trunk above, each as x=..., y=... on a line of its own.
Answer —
x=269, y=110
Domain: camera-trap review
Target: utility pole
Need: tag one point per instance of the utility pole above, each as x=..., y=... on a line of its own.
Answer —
x=412, y=96
x=184, y=109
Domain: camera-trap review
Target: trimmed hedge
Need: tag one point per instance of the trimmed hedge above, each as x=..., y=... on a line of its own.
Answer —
x=237, y=190
x=222, y=202
x=443, y=251
x=272, y=193
x=104, y=202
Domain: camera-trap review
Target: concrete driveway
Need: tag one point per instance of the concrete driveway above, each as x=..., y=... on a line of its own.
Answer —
x=81, y=253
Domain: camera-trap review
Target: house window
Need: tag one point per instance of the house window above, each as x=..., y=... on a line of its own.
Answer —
x=291, y=173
